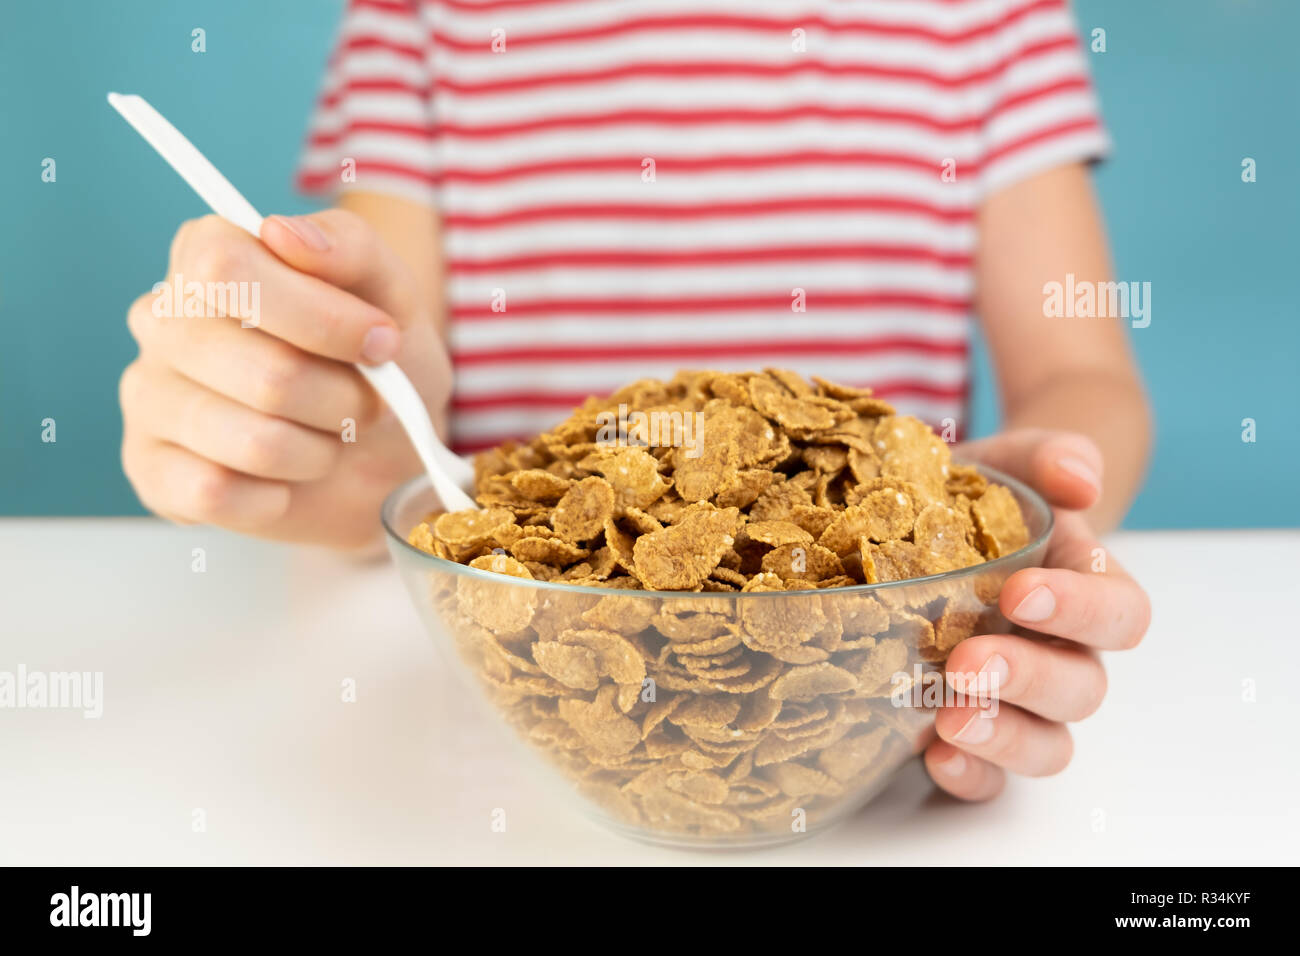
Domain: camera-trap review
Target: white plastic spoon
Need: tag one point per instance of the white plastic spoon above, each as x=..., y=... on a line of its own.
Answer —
x=451, y=475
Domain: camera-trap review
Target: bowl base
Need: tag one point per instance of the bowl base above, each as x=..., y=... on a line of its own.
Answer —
x=760, y=841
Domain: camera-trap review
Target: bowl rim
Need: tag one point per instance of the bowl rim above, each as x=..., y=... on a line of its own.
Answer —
x=1024, y=491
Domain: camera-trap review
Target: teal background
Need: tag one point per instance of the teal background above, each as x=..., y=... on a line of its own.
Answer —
x=1189, y=88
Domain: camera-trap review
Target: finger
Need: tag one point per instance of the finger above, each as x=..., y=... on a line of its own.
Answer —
x=1057, y=681
x=168, y=406
x=254, y=368
x=343, y=249
x=1064, y=467
x=1083, y=595
x=231, y=266
x=180, y=485
x=964, y=776
x=1009, y=737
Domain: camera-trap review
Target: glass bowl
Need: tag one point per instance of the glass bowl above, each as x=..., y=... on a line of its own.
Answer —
x=709, y=719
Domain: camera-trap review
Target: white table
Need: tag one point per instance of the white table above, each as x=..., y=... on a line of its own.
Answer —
x=222, y=693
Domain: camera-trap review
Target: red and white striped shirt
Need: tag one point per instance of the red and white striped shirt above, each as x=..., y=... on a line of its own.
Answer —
x=632, y=187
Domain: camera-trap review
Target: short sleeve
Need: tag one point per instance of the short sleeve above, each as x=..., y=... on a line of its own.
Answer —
x=373, y=126
x=1044, y=110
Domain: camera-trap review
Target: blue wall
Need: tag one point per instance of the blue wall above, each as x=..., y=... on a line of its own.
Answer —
x=1189, y=87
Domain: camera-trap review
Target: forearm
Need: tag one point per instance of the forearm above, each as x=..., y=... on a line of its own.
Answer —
x=1112, y=410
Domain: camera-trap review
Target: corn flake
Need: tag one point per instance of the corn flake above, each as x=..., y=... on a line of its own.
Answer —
x=583, y=510
x=571, y=666
x=997, y=519
x=681, y=556
x=808, y=683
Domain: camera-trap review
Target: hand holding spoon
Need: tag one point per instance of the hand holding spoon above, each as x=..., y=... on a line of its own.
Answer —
x=450, y=474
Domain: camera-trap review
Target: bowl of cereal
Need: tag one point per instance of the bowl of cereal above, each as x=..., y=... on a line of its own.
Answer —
x=718, y=607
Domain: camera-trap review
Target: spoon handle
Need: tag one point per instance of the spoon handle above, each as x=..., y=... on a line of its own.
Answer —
x=182, y=155
x=449, y=473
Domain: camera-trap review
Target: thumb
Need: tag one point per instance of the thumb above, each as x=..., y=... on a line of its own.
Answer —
x=1064, y=467
x=344, y=250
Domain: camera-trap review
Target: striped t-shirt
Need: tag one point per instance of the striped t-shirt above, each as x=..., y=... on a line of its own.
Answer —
x=630, y=187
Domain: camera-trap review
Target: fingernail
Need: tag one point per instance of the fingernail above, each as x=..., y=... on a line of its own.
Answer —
x=1081, y=469
x=954, y=766
x=978, y=729
x=306, y=230
x=380, y=344
x=994, y=673
x=1036, y=606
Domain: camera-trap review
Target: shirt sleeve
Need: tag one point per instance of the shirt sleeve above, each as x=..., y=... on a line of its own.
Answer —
x=1044, y=109
x=373, y=126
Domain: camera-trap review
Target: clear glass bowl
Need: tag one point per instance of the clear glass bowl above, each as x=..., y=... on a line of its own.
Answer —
x=710, y=719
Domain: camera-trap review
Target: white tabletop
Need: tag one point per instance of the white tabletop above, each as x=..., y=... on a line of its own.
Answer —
x=222, y=694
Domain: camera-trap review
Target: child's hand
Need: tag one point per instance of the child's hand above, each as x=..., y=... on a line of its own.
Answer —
x=246, y=427
x=1043, y=681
